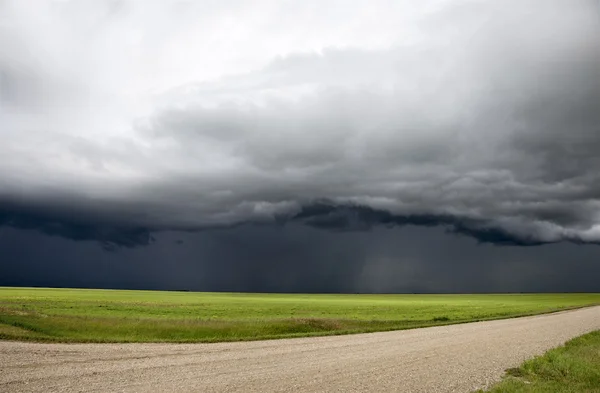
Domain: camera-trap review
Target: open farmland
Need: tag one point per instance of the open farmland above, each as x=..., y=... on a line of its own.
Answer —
x=82, y=315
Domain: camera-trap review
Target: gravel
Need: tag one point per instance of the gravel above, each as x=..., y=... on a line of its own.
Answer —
x=456, y=358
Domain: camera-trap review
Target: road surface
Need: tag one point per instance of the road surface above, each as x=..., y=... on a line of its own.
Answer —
x=456, y=358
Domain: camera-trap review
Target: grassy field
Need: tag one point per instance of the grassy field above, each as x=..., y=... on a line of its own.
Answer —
x=80, y=315
x=574, y=367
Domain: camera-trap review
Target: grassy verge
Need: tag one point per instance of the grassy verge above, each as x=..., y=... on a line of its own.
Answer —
x=574, y=367
x=80, y=315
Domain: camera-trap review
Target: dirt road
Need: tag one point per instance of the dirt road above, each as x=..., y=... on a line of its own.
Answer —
x=457, y=358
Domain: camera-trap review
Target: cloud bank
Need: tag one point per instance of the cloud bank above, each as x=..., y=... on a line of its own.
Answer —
x=122, y=118
x=300, y=258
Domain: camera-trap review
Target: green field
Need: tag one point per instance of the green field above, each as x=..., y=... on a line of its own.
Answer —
x=82, y=315
x=574, y=367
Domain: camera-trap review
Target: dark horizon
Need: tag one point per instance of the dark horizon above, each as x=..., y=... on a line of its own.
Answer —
x=300, y=258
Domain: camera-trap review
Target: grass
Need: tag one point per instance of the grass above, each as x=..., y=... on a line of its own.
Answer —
x=574, y=367
x=84, y=315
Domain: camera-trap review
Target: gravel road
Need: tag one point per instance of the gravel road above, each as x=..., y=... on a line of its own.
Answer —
x=457, y=358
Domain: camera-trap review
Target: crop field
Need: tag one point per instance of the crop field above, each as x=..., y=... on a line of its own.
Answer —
x=89, y=315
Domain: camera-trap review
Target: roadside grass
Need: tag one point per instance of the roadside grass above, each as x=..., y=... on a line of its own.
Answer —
x=574, y=367
x=86, y=315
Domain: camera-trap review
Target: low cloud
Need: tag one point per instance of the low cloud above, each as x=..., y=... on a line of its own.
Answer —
x=478, y=117
x=300, y=258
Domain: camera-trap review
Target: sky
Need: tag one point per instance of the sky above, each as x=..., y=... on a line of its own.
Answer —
x=301, y=146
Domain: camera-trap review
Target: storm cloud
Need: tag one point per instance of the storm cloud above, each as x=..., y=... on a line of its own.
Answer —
x=300, y=258
x=306, y=126
x=481, y=115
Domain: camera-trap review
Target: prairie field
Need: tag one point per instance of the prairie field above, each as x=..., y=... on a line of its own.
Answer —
x=92, y=315
x=573, y=367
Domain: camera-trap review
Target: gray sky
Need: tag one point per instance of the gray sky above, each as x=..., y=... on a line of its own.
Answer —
x=299, y=258
x=125, y=121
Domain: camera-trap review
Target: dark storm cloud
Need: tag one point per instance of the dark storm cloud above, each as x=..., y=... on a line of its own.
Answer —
x=334, y=217
x=299, y=258
x=114, y=232
x=73, y=225
x=478, y=117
